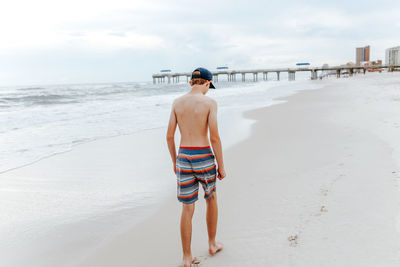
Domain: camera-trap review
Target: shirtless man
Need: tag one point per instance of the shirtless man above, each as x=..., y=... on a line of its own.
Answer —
x=195, y=114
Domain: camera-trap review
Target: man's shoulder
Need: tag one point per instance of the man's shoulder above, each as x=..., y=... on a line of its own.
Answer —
x=210, y=100
x=177, y=100
x=185, y=98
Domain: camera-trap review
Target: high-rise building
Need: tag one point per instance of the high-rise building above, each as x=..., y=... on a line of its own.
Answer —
x=359, y=55
x=366, y=53
x=392, y=56
x=362, y=54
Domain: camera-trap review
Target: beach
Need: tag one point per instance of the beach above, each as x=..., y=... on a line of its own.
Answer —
x=312, y=180
x=77, y=162
x=316, y=184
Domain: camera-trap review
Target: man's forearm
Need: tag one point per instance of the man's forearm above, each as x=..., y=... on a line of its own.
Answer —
x=217, y=148
x=172, y=149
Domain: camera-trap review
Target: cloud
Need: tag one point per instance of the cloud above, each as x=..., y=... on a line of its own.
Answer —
x=103, y=40
x=307, y=17
x=45, y=24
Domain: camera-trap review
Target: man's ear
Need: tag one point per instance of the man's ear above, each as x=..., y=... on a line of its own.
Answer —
x=190, y=82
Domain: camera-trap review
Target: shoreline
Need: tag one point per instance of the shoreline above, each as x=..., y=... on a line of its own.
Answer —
x=32, y=152
x=316, y=197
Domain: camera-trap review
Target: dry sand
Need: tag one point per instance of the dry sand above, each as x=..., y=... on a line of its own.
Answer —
x=314, y=185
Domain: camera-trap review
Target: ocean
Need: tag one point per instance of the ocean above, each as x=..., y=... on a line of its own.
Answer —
x=39, y=121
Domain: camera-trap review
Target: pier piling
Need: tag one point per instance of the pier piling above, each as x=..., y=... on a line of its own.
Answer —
x=314, y=75
x=291, y=75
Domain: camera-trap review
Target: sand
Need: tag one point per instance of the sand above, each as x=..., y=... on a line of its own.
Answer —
x=316, y=184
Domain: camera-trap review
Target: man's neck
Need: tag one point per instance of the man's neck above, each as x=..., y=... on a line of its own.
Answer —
x=196, y=89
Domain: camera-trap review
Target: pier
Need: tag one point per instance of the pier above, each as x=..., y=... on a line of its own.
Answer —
x=232, y=74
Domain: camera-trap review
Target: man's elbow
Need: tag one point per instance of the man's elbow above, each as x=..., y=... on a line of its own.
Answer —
x=170, y=138
x=215, y=139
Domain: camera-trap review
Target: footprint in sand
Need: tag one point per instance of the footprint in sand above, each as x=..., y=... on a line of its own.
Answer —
x=323, y=209
x=337, y=178
x=292, y=240
x=324, y=191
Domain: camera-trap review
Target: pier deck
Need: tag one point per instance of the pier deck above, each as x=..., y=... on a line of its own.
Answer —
x=231, y=74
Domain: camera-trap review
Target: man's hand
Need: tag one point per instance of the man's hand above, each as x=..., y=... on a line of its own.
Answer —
x=221, y=173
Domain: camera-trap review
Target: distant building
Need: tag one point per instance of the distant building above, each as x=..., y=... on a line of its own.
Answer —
x=392, y=56
x=374, y=63
x=366, y=53
x=362, y=54
x=359, y=55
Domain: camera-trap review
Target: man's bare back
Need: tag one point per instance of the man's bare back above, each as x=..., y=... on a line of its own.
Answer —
x=196, y=116
x=192, y=112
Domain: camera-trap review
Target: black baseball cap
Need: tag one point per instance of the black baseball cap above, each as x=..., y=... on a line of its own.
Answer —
x=204, y=74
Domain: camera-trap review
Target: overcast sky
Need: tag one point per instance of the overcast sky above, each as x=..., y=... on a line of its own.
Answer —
x=78, y=41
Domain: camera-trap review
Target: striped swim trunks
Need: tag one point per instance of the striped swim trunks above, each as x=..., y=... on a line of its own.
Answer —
x=195, y=165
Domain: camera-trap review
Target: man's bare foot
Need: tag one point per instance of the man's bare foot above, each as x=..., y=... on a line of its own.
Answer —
x=188, y=263
x=214, y=248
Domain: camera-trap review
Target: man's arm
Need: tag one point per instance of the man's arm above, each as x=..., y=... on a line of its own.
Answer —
x=171, y=135
x=215, y=140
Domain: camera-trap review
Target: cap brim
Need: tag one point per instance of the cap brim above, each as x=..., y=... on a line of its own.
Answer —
x=212, y=86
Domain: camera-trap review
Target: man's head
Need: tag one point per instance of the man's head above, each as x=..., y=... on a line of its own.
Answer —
x=202, y=77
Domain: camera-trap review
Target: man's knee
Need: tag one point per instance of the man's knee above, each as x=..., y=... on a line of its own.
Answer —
x=212, y=198
x=188, y=209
